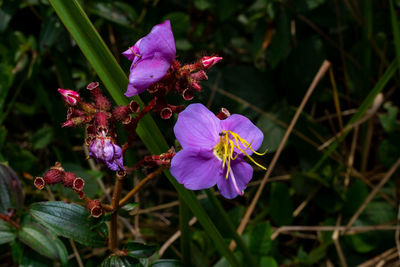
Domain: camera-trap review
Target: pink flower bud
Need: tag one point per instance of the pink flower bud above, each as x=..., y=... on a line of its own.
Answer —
x=208, y=62
x=92, y=85
x=200, y=75
x=53, y=176
x=196, y=86
x=69, y=178
x=94, y=206
x=223, y=114
x=69, y=96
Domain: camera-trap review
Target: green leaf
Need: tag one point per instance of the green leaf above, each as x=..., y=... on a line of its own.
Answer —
x=273, y=133
x=355, y=196
x=7, y=232
x=11, y=196
x=43, y=242
x=202, y=4
x=260, y=239
x=268, y=262
x=389, y=150
x=115, y=11
x=396, y=31
x=116, y=261
x=167, y=263
x=67, y=220
x=281, y=204
x=139, y=250
x=388, y=120
x=42, y=137
x=115, y=80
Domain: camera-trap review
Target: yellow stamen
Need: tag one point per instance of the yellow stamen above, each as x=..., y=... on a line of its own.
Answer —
x=225, y=149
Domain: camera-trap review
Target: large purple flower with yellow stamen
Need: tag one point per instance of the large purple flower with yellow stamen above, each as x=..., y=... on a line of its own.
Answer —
x=151, y=58
x=214, y=151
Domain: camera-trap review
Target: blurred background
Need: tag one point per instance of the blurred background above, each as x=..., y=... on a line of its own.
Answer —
x=271, y=50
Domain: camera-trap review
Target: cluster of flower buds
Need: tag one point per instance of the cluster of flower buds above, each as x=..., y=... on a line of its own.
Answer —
x=98, y=119
x=152, y=161
x=56, y=174
x=95, y=208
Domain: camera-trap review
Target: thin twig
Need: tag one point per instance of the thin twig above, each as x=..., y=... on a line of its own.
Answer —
x=375, y=106
x=342, y=229
x=350, y=161
x=173, y=238
x=321, y=72
x=397, y=235
x=335, y=238
x=76, y=253
x=376, y=259
x=374, y=192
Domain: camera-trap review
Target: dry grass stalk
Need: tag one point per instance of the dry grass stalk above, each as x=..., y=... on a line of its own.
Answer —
x=321, y=72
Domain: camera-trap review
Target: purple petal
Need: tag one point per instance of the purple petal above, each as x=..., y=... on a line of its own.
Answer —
x=197, y=127
x=145, y=73
x=159, y=40
x=112, y=165
x=234, y=185
x=196, y=168
x=245, y=129
x=108, y=150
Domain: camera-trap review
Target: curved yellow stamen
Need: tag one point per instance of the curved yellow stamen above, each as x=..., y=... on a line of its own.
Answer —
x=225, y=149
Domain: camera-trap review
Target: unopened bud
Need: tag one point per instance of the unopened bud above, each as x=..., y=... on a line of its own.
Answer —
x=76, y=121
x=94, y=206
x=80, y=194
x=208, y=62
x=53, y=176
x=121, y=113
x=69, y=96
x=92, y=85
x=196, y=86
x=68, y=179
x=223, y=114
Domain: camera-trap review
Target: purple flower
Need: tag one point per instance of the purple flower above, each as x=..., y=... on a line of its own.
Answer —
x=214, y=150
x=104, y=150
x=151, y=58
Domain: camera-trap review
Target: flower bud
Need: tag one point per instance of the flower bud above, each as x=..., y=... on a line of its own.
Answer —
x=196, y=86
x=100, y=100
x=69, y=96
x=68, y=179
x=76, y=121
x=208, y=62
x=122, y=113
x=94, y=206
x=53, y=176
x=223, y=114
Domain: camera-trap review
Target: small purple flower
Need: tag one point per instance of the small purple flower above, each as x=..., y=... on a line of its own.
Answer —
x=214, y=150
x=151, y=58
x=104, y=150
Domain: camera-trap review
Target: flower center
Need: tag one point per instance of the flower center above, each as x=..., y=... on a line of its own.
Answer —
x=225, y=149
